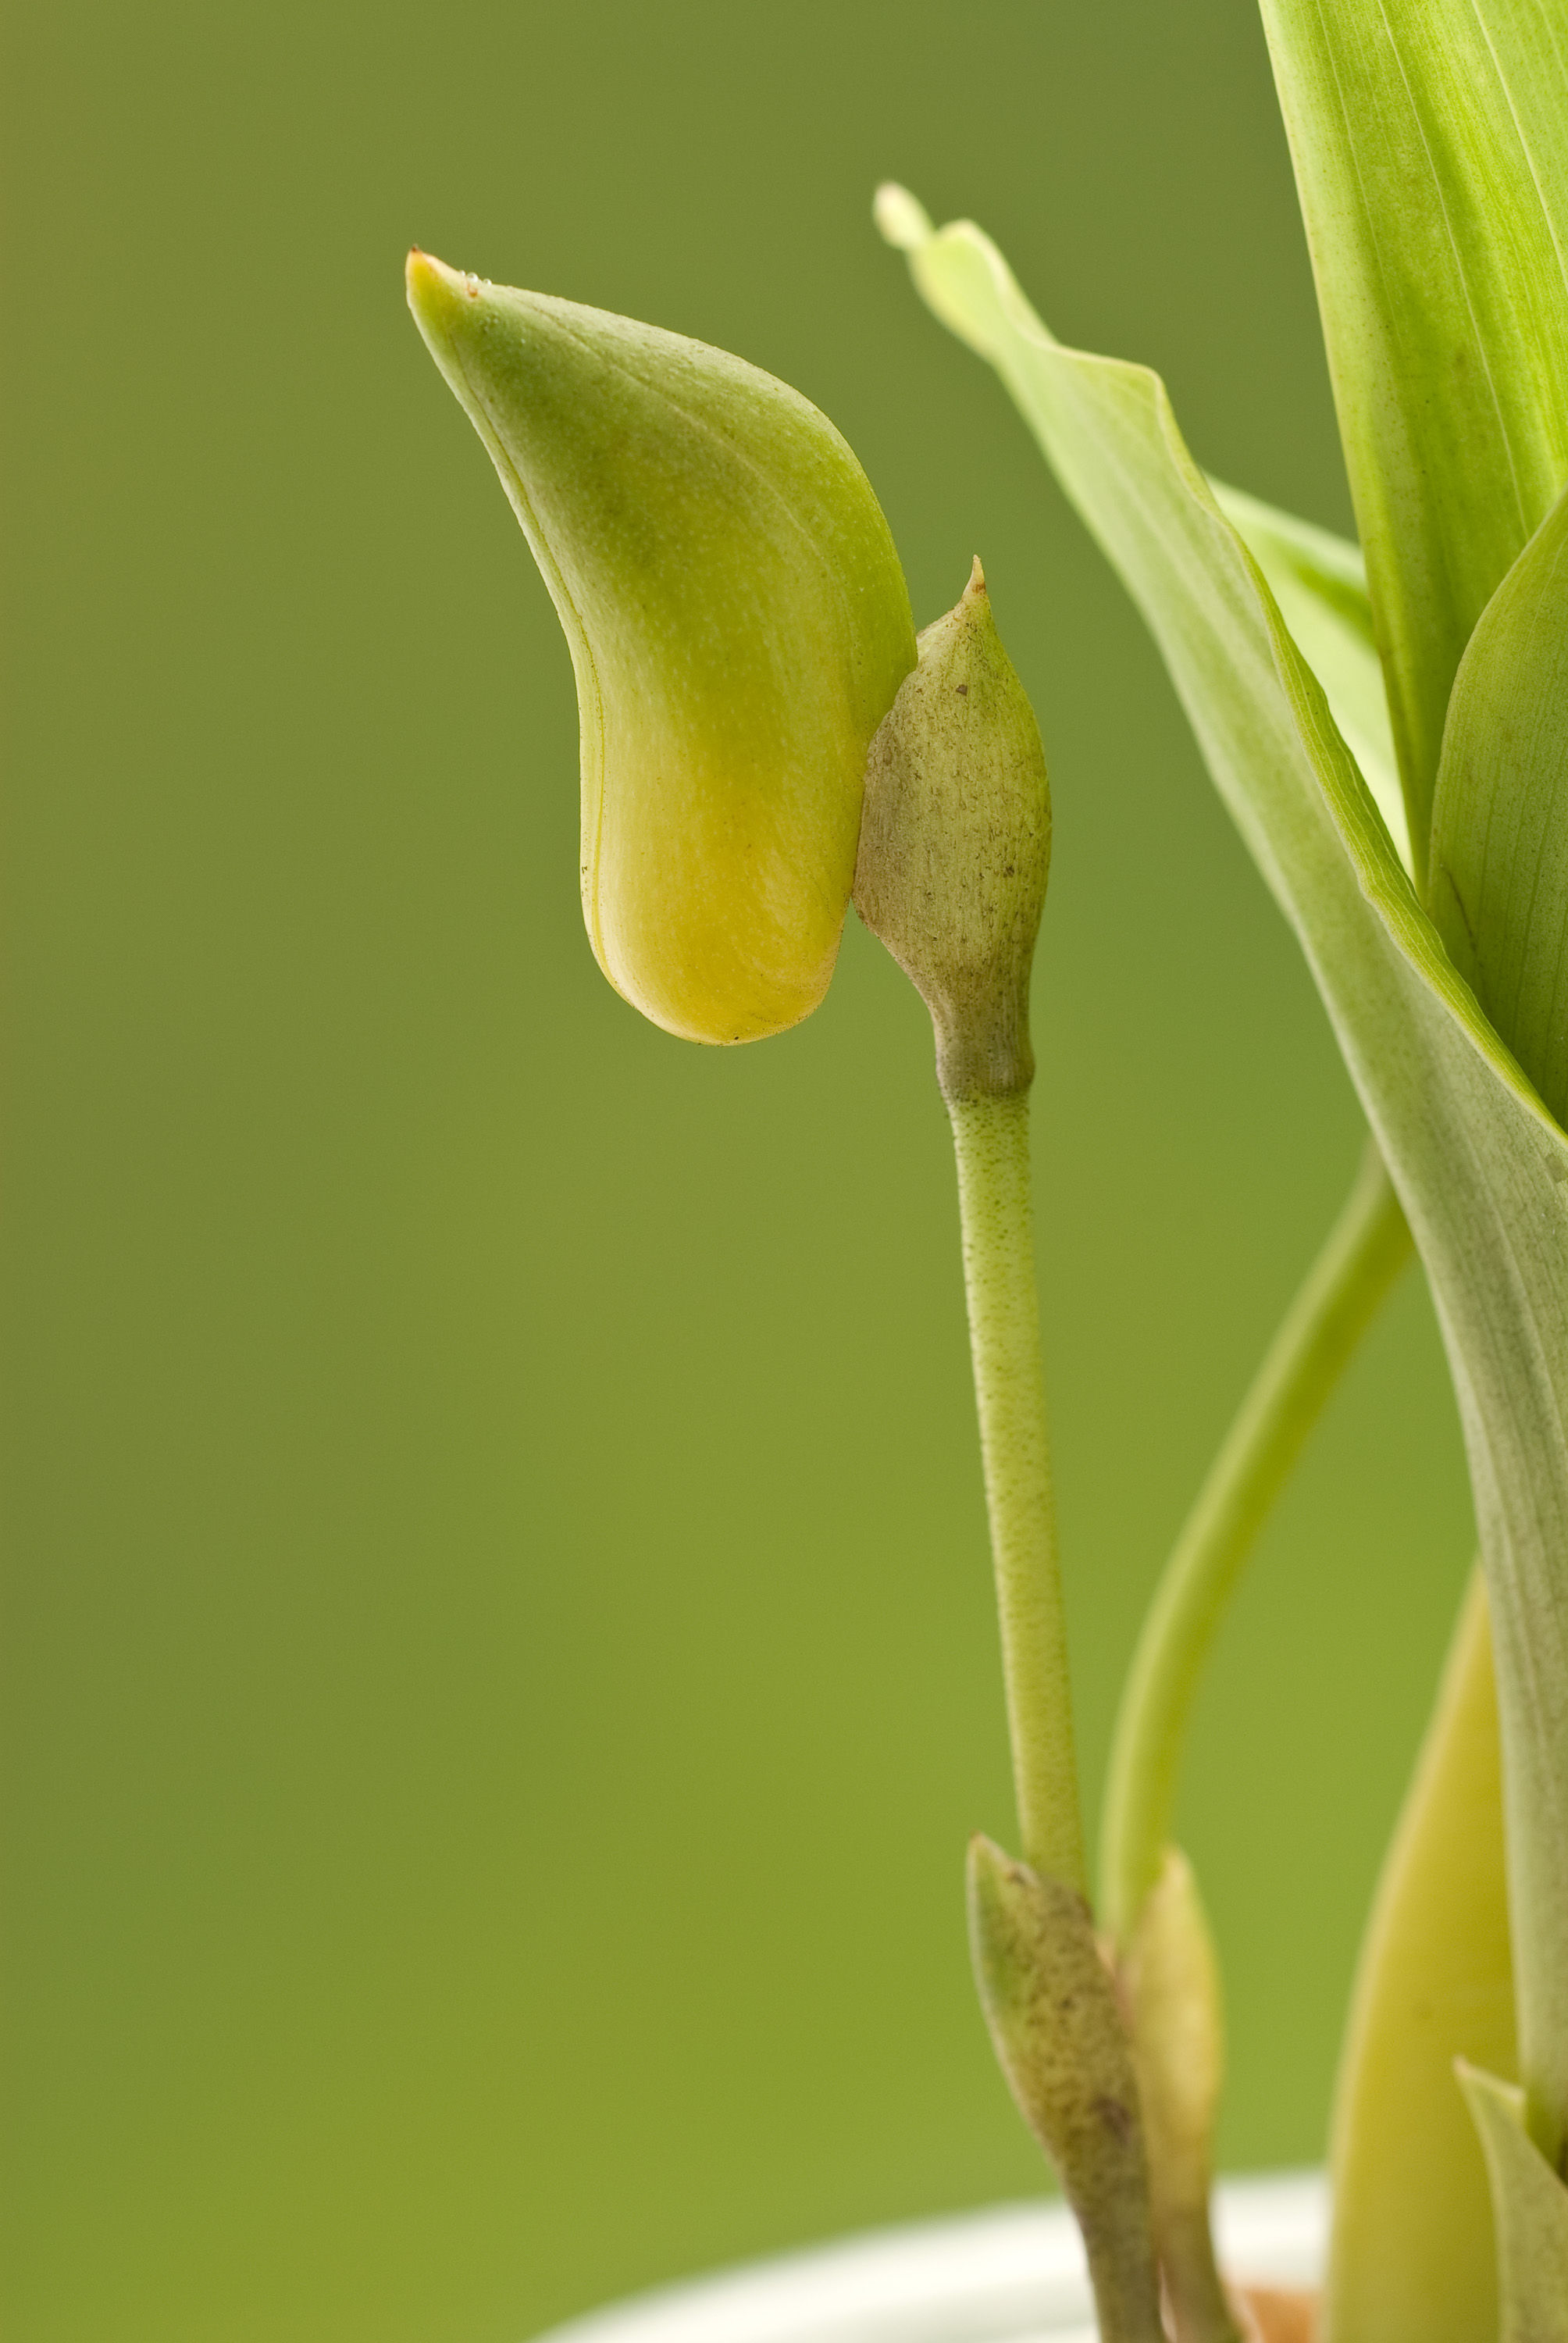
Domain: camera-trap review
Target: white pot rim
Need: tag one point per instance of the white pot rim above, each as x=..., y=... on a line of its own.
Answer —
x=1009, y=2274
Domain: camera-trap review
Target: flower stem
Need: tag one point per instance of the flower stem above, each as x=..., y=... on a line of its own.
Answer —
x=1364, y=1253
x=991, y=1139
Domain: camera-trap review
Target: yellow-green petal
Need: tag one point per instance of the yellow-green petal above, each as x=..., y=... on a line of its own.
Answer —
x=738, y=625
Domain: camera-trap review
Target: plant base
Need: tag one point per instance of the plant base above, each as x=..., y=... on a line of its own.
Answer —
x=1013, y=2274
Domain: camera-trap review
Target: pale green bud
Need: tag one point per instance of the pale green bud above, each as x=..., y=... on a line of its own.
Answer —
x=738, y=627
x=955, y=847
x=1170, y=1979
x=1051, y=2008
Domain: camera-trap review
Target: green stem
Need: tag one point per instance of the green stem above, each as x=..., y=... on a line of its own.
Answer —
x=991, y=1139
x=1363, y=1255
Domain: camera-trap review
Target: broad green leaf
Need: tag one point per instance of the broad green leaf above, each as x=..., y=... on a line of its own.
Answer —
x=1430, y=144
x=1412, y=2253
x=1530, y=2205
x=1481, y=1167
x=1499, y=886
x=1319, y=582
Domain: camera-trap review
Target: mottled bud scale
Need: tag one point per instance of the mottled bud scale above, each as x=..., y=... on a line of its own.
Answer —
x=955, y=847
x=1051, y=2007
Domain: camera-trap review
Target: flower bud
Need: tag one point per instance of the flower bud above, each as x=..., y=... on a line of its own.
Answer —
x=955, y=847
x=1169, y=1977
x=1052, y=2010
x=738, y=627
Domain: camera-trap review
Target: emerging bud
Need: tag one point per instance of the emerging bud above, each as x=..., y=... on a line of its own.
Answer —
x=1170, y=1978
x=955, y=847
x=1051, y=2008
x=738, y=627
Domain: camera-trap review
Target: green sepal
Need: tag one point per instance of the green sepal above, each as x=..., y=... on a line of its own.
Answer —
x=1530, y=2205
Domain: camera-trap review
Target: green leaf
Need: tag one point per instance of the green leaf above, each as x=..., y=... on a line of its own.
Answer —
x=1431, y=145
x=1500, y=818
x=1478, y=1164
x=1318, y=583
x=1412, y=2252
x=1531, y=2207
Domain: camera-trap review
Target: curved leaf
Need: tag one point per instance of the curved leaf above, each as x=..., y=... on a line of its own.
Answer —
x=1318, y=583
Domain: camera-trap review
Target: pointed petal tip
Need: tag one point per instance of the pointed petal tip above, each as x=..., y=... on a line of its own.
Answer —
x=435, y=291
x=422, y=272
x=989, y=1860
x=977, y=584
x=902, y=219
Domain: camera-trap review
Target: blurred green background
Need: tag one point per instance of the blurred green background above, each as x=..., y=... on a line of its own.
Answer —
x=499, y=1665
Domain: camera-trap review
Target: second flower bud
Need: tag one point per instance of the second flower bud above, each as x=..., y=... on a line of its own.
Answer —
x=955, y=847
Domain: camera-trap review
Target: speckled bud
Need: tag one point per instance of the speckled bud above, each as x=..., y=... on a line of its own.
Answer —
x=955, y=847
